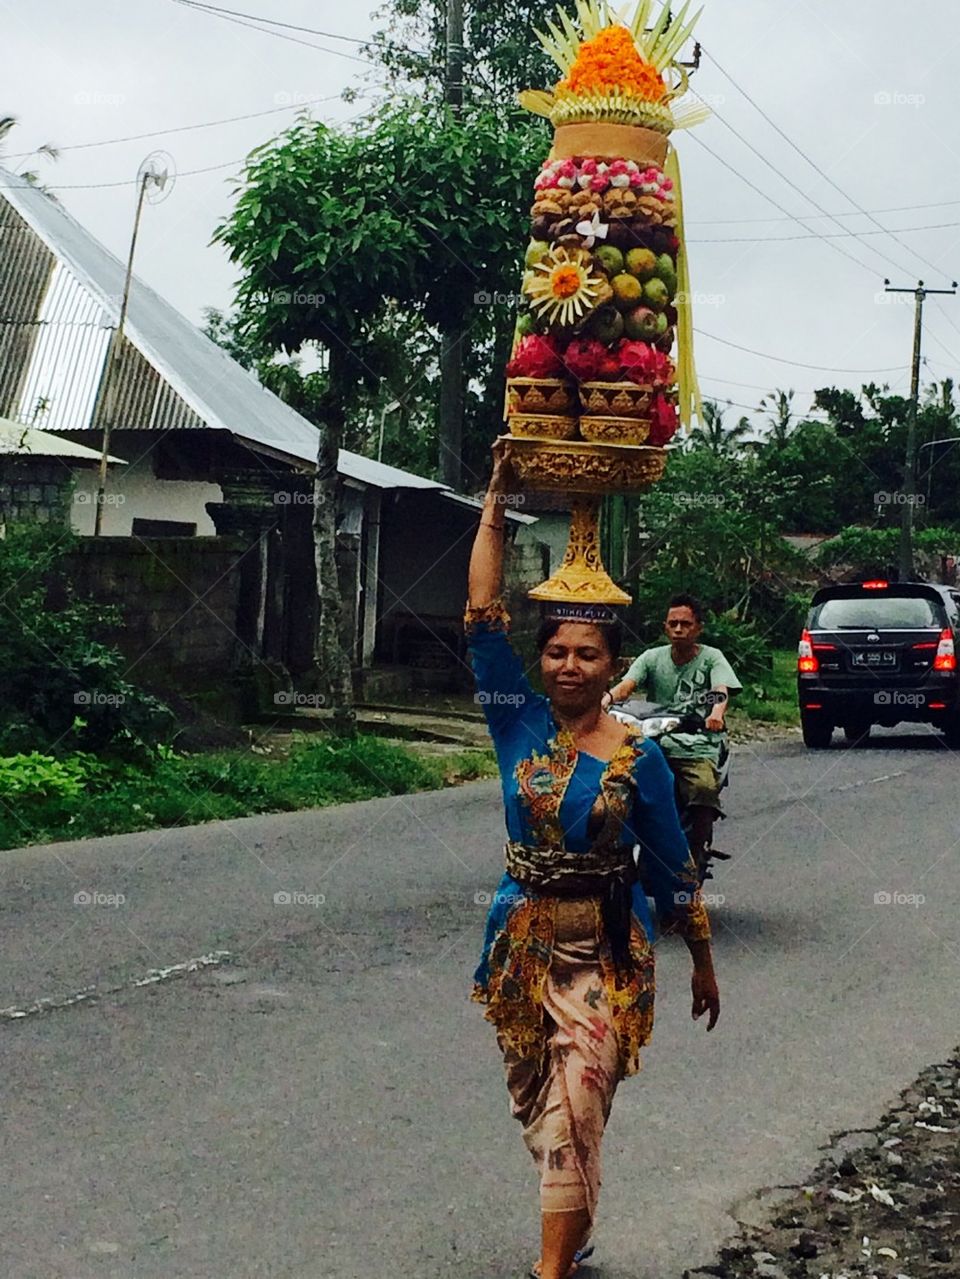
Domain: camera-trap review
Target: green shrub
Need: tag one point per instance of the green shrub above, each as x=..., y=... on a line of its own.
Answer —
x=63, y=687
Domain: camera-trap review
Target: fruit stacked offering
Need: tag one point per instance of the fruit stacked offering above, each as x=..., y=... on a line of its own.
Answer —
x=599, y=292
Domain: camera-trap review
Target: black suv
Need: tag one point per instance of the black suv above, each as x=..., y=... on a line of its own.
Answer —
x=878, y=653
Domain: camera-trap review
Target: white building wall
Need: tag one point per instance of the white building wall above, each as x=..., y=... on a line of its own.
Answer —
x=134, y=492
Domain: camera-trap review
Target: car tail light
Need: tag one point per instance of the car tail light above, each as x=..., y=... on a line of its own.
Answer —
x=946, y=658
x=813, y=706
x=875, y=586
x=807, y=661
x=938, y=706
x=931, y=644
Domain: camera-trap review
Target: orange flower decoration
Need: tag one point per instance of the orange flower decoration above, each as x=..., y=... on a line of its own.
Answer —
x=611, y=61
x=566, y=282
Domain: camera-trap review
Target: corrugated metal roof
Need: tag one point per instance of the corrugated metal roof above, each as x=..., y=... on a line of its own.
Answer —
x=224, y=394
x=26, y=441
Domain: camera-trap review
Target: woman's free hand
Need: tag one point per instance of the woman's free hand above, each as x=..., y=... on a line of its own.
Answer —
x=706, y=996
x=606, y=701
x=502, y=479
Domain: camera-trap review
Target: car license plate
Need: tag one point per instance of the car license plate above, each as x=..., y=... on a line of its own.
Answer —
x=874, y=658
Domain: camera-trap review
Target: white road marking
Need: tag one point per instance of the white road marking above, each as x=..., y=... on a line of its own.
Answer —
x=90, y=994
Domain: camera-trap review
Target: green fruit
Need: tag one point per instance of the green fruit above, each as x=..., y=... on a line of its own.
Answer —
x=537, y=250
x=667, y=271
x=627, y=291
x=606, y=325
x=656, y=294
x=662, y=324
x=641, y=324
x=525, y=325
x=610, y=258
x=642, y=263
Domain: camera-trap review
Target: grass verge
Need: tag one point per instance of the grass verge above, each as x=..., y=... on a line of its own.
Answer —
x=775, y=700
x=83, y=797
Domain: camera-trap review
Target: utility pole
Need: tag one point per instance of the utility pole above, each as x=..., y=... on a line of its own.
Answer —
x=106, y=399
x=452, y=336
x=910, y=462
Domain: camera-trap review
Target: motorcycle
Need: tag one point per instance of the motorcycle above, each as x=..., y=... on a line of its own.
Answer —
x=657, y=721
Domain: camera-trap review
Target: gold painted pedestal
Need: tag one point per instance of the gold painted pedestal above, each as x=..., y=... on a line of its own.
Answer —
x=586, y=471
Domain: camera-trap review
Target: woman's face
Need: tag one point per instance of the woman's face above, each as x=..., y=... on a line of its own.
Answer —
x=576, y=667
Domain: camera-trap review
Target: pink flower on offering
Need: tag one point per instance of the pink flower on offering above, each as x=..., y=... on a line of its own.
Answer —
x=599, y=183
x=667, y=184
x=589, y=166
x=568, y=168
x=636, y=181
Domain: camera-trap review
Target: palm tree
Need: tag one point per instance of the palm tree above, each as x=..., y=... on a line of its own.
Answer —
x=779, y=406
x=7, y=124
x=712, y=435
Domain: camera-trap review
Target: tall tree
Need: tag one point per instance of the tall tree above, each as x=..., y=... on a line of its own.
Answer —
x=780, y=418
x=336, y=232
x=715, y=436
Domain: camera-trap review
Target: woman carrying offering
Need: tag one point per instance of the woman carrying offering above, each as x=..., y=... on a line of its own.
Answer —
x=567, y=972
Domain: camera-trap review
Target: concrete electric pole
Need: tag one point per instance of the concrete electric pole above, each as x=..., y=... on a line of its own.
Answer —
x=910, y=462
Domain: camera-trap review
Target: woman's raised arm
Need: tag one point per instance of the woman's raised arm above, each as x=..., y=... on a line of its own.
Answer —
x=485, y=580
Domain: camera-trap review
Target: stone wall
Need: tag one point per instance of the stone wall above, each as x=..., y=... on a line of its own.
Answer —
x=178, y=598
x=35, y=489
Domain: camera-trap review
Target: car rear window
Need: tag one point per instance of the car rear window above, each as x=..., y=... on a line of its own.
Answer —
x=877, y=613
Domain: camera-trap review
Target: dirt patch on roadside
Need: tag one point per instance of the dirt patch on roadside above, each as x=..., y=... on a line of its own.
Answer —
x=883, y=1204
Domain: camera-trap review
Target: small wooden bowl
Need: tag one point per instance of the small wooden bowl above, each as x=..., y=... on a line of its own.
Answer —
x=542, y=426
x=615, y=399
x=615, y=430
x=541, y=395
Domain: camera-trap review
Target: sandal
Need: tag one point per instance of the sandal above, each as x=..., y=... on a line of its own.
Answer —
x=580, y=1256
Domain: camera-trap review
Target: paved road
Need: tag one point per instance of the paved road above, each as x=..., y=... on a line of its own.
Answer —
x=325, y=1102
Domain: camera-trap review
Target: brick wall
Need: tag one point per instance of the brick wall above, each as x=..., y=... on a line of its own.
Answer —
x=178, y=598
x=34, y=488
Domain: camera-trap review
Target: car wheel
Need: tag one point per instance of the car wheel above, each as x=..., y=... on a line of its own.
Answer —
x=856, y=732
x=817, y=731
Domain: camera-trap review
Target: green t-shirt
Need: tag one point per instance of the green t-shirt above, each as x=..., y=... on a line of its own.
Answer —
x=684, y=688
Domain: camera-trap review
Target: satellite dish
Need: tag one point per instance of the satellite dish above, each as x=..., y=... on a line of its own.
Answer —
x=160, y=170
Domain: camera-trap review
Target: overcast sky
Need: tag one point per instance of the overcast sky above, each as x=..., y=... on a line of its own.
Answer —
x=867, y=89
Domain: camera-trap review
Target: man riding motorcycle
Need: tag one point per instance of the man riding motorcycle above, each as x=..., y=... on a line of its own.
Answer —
x=681, y=677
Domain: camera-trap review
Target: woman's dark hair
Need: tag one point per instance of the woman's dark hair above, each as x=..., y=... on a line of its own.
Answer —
x=612, y=633
x=687, y=601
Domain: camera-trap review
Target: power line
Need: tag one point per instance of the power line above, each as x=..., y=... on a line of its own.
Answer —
x=779, y=359
x=824, y=235
x=224, y=16
x=290, y=26
x=695, y=137
x=127, y=182
x=184, y=128
x=826, y=177
x=812, y=217
x=789, y=181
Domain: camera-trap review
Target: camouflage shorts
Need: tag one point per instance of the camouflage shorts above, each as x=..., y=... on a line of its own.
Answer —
x=698, y=783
